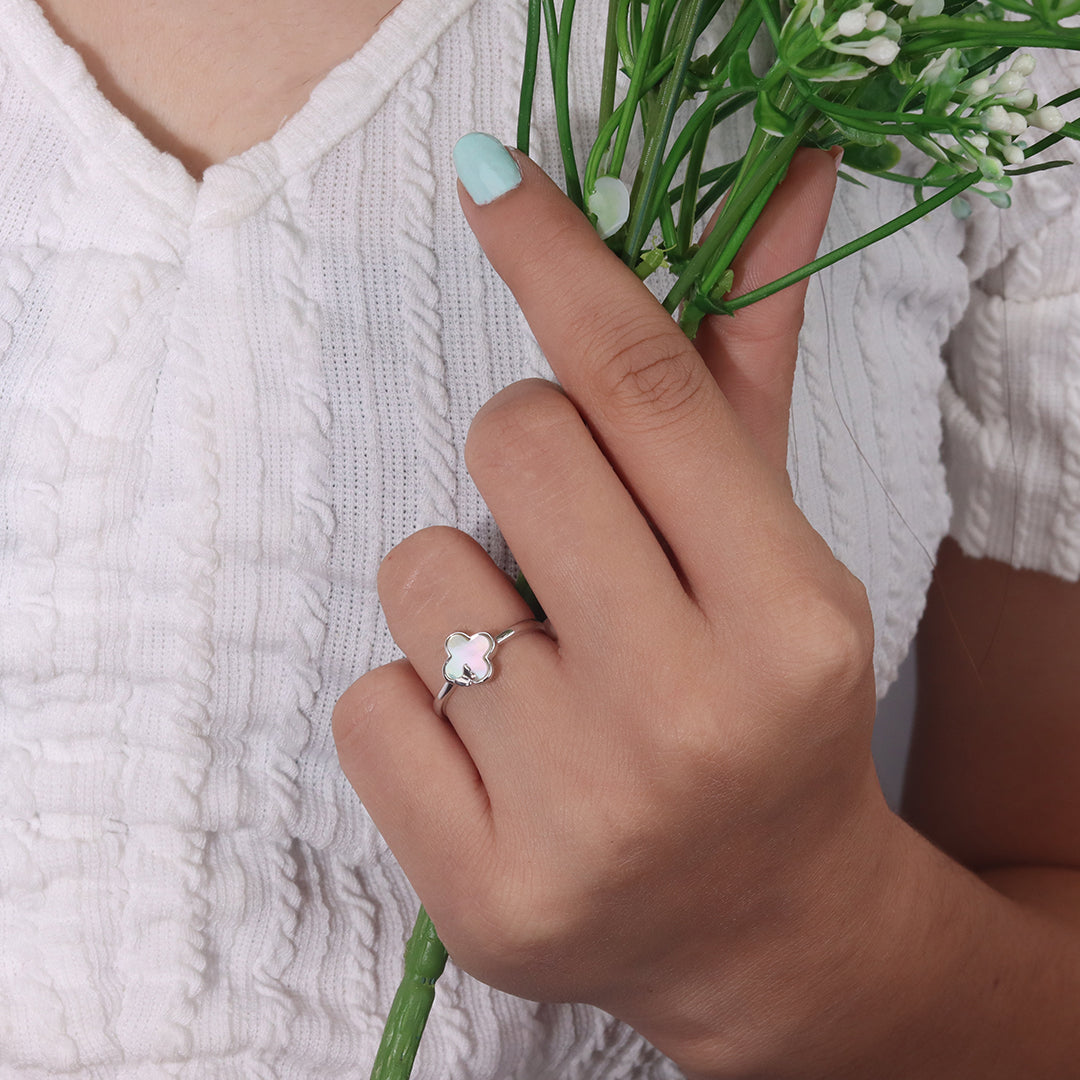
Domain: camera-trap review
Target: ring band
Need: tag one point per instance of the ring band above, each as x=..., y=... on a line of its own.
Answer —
x=468, y=658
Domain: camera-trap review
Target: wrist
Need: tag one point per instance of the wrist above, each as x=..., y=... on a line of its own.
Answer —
x=776, y=986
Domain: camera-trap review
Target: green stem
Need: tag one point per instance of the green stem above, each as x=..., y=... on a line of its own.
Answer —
x=737, y=39
x=558, y=35
x=600, y=147
x=691, y=183
x=720, y=180
x=713, y=110
x=425, y=959
x=933, y=34
x=766, y=160
x=642, y=60
x=729, y=307
x=528, y=76
x=611, y=66
x=695, y=312
x=688, y=26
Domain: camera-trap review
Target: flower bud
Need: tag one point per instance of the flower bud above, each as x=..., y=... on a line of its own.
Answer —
x=851, y=23
x=1048, y=118
x=961, y=208
x=995, y=119
x=876, y=21
x=880, y=50
x=990, y=167
x=1009, y=83
x=1023, y=65
x=979, y=87
x=1012, y=154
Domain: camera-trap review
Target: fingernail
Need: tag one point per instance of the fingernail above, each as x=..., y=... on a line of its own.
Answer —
x=485, y=167
x=837, y=154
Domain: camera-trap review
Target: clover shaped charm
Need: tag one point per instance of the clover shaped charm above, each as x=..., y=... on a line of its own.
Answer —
x=468, y=658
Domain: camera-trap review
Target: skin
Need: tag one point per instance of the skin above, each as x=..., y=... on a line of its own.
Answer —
x=683, y=826
x=206, y=79
x=683, y=829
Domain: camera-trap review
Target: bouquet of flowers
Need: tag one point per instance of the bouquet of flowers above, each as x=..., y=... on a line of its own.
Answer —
x=950, y=78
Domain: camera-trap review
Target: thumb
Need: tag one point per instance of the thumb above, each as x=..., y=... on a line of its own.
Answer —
x=752, y=353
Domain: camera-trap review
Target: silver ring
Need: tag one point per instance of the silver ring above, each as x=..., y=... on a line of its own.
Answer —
x=468, y=658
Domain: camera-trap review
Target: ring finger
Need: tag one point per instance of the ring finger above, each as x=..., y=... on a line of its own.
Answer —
x=438, y=582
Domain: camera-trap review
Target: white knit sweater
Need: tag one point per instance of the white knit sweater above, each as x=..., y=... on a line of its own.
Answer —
x=222, y=402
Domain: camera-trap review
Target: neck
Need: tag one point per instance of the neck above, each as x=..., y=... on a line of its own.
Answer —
x=206, y=79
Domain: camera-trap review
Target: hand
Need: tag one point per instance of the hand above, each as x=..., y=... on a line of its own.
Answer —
x=671, y=810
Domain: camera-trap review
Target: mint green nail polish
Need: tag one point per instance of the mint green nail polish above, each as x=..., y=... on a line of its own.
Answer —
x=485, y=167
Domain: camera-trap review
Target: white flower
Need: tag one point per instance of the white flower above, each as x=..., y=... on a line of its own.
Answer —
x=1012, y=154
x=876, y=21
x=979, y=87
x=922, y=9
x=996, y=119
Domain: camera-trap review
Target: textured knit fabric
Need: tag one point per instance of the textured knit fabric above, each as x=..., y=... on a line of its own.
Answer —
x=222, y=402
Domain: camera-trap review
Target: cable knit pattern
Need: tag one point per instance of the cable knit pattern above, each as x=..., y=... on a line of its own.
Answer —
x=1012, y=437
x=162, y=970
x=899, y=279
x=420, y=302
x=222, y=402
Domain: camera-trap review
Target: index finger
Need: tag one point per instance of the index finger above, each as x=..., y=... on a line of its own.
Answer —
x=640, y=384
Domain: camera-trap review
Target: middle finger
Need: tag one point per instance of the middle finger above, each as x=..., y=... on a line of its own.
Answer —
x=588, y=552
x=645, y=392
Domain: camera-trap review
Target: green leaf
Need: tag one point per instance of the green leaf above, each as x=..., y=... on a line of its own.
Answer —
x=769, y=118
x=722, y=287
x=880, y=158
x=856, y=136
x=649, y=262
x=740, y=73
x=940, y=91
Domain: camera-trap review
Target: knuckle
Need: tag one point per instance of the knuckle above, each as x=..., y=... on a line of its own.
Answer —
x=646, y=377
x=830, y=645
x=526, y=421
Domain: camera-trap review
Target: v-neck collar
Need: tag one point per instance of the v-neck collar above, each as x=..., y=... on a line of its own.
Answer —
x=341, y=103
